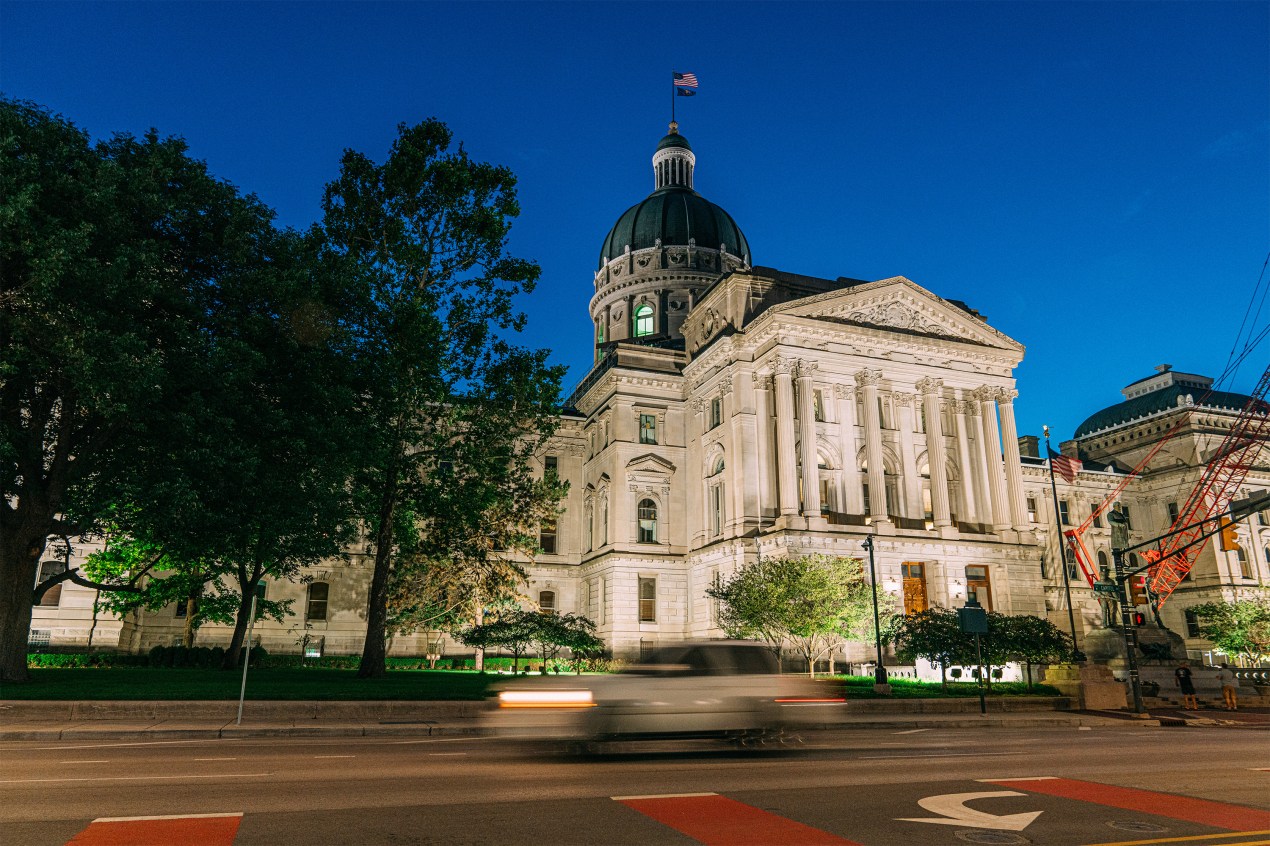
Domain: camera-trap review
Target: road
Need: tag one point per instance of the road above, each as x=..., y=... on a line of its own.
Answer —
x=935, y=786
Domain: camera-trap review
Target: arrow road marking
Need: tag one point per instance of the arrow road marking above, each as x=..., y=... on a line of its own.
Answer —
x=954, y=810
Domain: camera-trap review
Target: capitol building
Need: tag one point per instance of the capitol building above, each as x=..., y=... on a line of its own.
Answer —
x=735, y=410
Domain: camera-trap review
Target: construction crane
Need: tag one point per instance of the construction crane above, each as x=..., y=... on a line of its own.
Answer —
x=1211, y=496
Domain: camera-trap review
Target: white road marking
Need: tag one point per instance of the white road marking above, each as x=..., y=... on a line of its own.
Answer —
x=215, y=759
x=1018, y=778
x=334, y=756
x=953, y=808
x=968, y=753
x=122, y=745
x=911, y=731
x=169, y=817
x=131, y=778
x=440, y=740
x=445, y=754
x=1084, y=728
x=661, y=796
x=102, y=761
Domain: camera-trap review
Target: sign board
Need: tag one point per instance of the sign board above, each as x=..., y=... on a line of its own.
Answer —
x=973, y=619
x=1109, y=588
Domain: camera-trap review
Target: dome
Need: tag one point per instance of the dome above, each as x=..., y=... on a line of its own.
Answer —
x=1157, y=401
x=673, y=216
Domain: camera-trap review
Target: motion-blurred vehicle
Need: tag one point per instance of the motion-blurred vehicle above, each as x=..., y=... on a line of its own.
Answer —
x=729, y=689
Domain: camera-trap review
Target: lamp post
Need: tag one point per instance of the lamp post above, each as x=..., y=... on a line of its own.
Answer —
x=880, y=683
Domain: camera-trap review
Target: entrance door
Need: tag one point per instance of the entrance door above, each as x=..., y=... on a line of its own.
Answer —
x=914, y=587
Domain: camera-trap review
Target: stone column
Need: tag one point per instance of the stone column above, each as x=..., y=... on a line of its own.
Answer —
x=867, y=383
x=1013, y=465
x=991, y=442
x=935, y=457
x=787, y=479
x=807, y=427
x=763, y=434
x=969, y=473
x=909, y=478
x=852, y=499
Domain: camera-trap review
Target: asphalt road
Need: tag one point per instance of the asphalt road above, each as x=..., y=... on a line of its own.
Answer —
x=938, y=786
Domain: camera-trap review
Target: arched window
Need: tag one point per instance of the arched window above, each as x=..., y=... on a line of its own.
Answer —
x=590, y=527
x=547, y=600
x=647, y=521
x=643, y=320
x=1245, y=565
x=315, y=609
x=718, y=467
x=604, y=521
x=1104, y=565
x=1268, y=554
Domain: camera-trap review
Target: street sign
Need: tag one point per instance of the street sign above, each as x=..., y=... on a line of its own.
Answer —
x=1110, y=588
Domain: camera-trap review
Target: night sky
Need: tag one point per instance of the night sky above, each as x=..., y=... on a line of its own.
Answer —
x=1093, y=177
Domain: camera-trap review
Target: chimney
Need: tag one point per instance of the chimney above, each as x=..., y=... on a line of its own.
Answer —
x=1029, y=446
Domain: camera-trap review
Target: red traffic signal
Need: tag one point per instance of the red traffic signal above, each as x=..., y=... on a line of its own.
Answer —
x=1139, y=619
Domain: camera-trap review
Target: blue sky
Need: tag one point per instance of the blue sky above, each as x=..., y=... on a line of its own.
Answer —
x=1093, y=177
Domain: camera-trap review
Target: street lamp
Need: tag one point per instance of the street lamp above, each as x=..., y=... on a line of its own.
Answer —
x=880, y=683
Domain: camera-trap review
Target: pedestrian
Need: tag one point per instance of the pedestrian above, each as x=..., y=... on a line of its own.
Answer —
x=1182, y=678
x=1229, y=687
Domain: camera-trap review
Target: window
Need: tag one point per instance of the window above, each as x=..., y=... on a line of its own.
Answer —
x=316, y=607
x=716, y=510
x=1031, y=509
x=647, y=600
x=1172, y=513
x=648, y=428
x=1128, y=521
x=547, y=600
x=818, y=406
x=647, y=521
x=604, y=522
x=716, y=412
x=1192, y=624
x=590, y=528
x=1093, y=511
x=914, y=587
x=550, y=465
x=1062, y=513
x=643, y=320
x=599, y=333
x=1245, y=565
x=53, y=596
x=978, y=586
x=1104, y=564
x=1267, y=552
x=547, y=537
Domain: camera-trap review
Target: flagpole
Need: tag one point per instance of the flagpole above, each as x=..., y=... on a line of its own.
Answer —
x=673, y=92
x=1077, y=655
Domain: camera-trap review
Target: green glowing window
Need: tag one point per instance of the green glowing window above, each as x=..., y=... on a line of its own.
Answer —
x=643, y=321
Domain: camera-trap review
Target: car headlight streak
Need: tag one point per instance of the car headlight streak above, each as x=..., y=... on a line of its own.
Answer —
x=545, y=699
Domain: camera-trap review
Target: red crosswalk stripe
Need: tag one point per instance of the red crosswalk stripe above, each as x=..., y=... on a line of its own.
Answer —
x=1202, y=811
x=189, y=830
x=719, y=821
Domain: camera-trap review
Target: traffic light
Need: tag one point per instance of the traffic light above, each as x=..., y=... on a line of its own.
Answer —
x=1139, y=619
x=1228, y=535
x=1138, y=590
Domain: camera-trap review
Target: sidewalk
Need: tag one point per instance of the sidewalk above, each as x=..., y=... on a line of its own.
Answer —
x=167, y=721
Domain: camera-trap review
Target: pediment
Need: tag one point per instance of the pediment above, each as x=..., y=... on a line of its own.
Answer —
x=900, y=305
x=651, y=464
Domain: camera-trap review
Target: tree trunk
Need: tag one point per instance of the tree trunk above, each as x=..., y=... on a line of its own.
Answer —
x=240, y=628
x=187, y=636
x=20, y=552
x=375, y=652
x=1029, y=675
x=943, y=676
x=478, y=662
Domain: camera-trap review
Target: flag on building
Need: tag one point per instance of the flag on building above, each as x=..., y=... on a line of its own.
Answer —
x=1065, y=466
x=685, y=92
x=686, y=80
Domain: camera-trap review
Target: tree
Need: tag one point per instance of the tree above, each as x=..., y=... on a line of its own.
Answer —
x=450, y=411
x=1241, y=627
x=554, y=632
x=935, y=635
x=1033, y=640
x=111, y=256
x=514, y=630
x=809, y=601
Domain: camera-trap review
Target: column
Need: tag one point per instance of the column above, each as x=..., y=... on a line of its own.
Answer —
x=969, y=486
x=992, y=457
x=852, y=499
x=763, y=435
x=787, y=480
x=867, y=382
x=909, y=477
x=935, y=457
x=745, y=446
x=1013, y=465
x=807, y=426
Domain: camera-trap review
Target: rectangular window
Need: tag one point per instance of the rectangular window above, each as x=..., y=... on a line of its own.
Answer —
x=1173, y=513
x=316, y=607
x=1031, y=509
x=1245, y=564
x=914, y=587
x=547, y=600
x=716, y=412
x=647, y=600
x=1062, y=513
x=53, y=596
x=716, y=510
x=547, y=537
x=1192, y=624
x=648, y=428
x=818, y=406
x=550, y=465
x=1093, y=510
x=979, y=586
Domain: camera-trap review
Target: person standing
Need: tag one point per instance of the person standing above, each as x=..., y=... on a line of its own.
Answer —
x=1182, y=678
x=1229, y=687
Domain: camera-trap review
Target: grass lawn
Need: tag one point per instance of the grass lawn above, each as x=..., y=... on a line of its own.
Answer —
x=861, y=687
x=312, y=684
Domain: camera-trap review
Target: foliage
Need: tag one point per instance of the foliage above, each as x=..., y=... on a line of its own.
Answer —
x=861, y=687
x=449, y=412
x=513, y=630
x=1241, y=627
x=554, y=632
x=809, y=601
x=933, y=634
x=517, y=630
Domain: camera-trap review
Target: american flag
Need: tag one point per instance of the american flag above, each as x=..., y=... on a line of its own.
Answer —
x=1065, y=466
x=685, y=80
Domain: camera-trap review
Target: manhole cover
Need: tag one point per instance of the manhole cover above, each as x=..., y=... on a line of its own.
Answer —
x=1137, y=826
x=996, y=838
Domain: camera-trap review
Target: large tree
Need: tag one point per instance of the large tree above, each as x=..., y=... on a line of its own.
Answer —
x=111, y=257
x=933, y=634
x=1240, y=627
x=421, y=241
x=808, y=601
